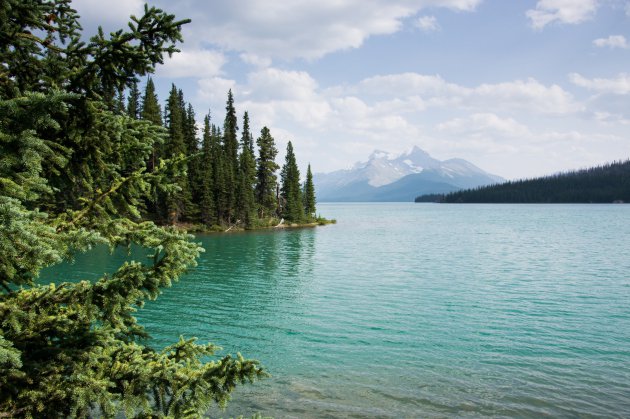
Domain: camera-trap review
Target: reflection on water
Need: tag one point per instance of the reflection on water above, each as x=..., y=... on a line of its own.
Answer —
x=404, y=310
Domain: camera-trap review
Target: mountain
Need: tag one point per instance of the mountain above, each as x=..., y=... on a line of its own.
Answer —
x=385, y=177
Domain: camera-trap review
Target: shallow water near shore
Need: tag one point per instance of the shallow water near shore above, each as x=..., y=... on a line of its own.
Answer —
x=415, y=310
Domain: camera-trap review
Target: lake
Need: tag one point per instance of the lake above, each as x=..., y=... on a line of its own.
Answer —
x=416, y=310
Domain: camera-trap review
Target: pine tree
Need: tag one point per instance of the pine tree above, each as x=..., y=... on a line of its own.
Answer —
x=207, y=201
x=247, y=139
x=151, y=109
x=266, y=182
x=178, y=201
x=194, y=177
x=119, y=103
x=309, y=195
x=73, y=175
x=292, y=208
x=230, y=148
x=221, y=191
x=246, y=206
x=133, y=101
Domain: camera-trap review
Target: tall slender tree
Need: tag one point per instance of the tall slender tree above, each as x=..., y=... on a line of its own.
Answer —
x=207, y=201
x=133, y=101
x=309, y=194
x=292, y=206
x=266, y=182
x=178, y=200
x=193, y=164
x=151, y=109
x=230, y=147
x=247, y=139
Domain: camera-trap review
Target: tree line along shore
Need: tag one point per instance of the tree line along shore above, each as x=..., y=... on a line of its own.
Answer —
x=229, y=180
x=608, y=183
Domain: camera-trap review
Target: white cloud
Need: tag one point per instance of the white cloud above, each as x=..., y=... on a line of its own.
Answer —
x=111, y=14
x=275, y=84
x=482, y=123
x=427, y=23
x=300, y=28
x=394, y=112
x=213, y=91
x=193, y=63
x=613, y=41
x=529, y=95
x=255, y=60
x=619, y=85
x=561, y=11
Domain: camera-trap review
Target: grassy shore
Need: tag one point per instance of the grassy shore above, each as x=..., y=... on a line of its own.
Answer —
x=262, y=224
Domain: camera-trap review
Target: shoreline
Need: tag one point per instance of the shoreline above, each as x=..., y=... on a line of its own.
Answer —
x=276, y=225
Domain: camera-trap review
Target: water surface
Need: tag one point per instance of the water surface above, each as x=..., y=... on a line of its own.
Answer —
x=417, y=310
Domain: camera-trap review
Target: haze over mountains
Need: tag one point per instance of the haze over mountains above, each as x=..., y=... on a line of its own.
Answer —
x=386, y=177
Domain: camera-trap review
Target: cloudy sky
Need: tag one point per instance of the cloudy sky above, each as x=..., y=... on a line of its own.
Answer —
x=520, y=88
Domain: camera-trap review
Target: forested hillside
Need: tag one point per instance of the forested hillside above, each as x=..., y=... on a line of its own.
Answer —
x=602, y=184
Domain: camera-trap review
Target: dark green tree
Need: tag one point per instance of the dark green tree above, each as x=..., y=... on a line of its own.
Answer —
x=207, y=205
x=309, y=194
x=292, y=206
x=247, y=139
x=246, y=205
x=230, y=149
x=151, y=109
x=266, y=182
x=178, y=201
x=194, y=176
x=72, y=175
x=133, y=101
x=221, y=192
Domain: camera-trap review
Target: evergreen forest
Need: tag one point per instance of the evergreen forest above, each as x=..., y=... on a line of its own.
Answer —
x=602, y=184
x=87, y=159
x=229, y=179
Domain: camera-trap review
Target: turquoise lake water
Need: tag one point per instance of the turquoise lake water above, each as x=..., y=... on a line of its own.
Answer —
x=416, y=310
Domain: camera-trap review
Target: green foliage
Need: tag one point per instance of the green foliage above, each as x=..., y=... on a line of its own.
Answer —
x=266, y=183
x=309, y=194
x=230, y=155
x=133, y=101
x=74, y=174
x=292, y=205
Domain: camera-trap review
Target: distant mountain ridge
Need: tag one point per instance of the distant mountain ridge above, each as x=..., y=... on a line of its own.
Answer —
x=387, y=177
x=609, y=183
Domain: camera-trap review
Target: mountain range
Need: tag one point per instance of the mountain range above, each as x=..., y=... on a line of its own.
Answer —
x=386, y=177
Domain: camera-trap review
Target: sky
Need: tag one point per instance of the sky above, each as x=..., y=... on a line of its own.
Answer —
x=519, y=88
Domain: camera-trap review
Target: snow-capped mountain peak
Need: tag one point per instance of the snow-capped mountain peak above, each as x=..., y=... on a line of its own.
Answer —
x=383, y=168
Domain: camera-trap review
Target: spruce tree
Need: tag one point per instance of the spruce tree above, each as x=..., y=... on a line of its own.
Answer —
x=247, y=139
x=76, y=349
x=221, y=192
x=309, y=195
x=133, y=101
x=192, y=151
x=178, y=201
x=206, y=171
x=266, y=182
x=151, y=109
x=246, y=206
x=230, y=149
x=292, y=208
